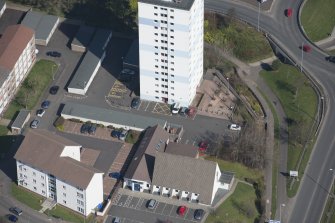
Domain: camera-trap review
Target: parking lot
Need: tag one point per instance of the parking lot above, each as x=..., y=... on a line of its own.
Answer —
x=134, y=209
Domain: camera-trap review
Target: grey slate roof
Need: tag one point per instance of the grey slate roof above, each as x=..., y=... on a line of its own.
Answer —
x=183, y=4
x=4, y=73
x=91, y=59
x=42, y=24
x=142, y=164
x=19, y=120
x=185, y=173
x=42, y=149
x=182, y=149
x=226, y=177
x=110, y=116
x=83, y=36
x=132, y=57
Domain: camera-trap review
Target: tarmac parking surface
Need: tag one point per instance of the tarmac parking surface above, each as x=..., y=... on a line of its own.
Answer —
x=134, y=209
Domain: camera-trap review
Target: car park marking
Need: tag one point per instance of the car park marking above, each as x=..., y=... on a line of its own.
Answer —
x=147, y=106
x=127, y=202
x=138, y=202
x=185, y=215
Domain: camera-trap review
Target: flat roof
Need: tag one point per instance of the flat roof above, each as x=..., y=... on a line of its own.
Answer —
x=110, y=116
x=226, y=177
x=132, y=56
x=42, y=24
x=83, y=36
x=20, y=119
x=91, y=60
x=181, y=4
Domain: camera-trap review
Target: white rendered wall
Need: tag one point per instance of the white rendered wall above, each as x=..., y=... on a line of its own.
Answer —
x=94, y=193
x=217, y=182
x=181, y=52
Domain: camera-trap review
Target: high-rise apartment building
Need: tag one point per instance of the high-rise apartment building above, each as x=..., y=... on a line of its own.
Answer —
x=170, y=49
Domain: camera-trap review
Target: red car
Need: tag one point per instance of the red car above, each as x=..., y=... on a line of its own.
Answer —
x=182, y=210
x=288, y=12
x=306, y=48
x=203, y=146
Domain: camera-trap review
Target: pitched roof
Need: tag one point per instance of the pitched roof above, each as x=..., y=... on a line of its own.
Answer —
x=182, y=149
x=41, y=150
x=142, y=165
x=185, y=173
x=20, y=119
x=12, y=43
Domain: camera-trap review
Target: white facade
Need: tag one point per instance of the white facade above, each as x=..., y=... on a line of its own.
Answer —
x=80, y=200
x=17, y=74
x=171, y=52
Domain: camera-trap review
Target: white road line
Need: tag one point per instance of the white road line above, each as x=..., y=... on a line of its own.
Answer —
x=140, y=199
x=171, y=211
x=147, y=106
x=186, y=213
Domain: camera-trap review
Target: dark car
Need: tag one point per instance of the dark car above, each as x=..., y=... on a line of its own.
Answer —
x=92, y=129
x=45, y=104
x=331, y=59
x=54, y=54
x=135, y=103
x=85, y=128
x=12, y=218
x=115, y=175
x=198, y=214
x=54, y=90
x=183, y=111
x=16, y=210
x=116, y=134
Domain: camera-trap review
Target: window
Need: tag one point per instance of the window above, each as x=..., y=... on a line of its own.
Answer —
x=157, y=97
x=34, y=173
x=172, y=56
x=172, y=62
x=172, y=43
x=156, y=27
x=156, y=34
x=24, y=169
x=80, y=195
x=172, y=88
x=64, y=187
x=64, y=201
x=157, y=91
x=34, y=181
x=155, y=20
x=155, y=7
x=42, y=184
x=64, y=194
x=172, y=68
x=156, y=66
x=171, y=10
x=155, y=14
x=156, y=79
x=172, y=82
x=172, y=37
x=171, y=23
x=42, y=177
x=156, y=72
x=156, y=53
x=34, y=188
x=172, y=17
x=171, y=30
x=43, y=192
x=172, y=94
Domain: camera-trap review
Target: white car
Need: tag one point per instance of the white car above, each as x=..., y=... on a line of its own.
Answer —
x=40, y=112
x=235, y=127
x=123, y=135
x=175, y=108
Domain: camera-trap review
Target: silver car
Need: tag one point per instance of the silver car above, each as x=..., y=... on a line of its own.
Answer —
x=34, y=124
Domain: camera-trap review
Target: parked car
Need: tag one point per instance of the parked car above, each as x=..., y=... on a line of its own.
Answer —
x=307, y=48
x=34, y=124
x=84, y=129
x=152, y=204
x=182, y=210
x=183, y=111
x=115, y=175
x=54, y=90
x=198, y=214
x=175, y=108
x=45, y=104
x=135, y=103
x=123, y=135
x=40, y=112
x=12, y=218
x=16, y=210
x=116, y=134
x=54, y=54
x=331, y=59
x=235, y=127
x=288, y=12
x=92, y=129
x=203, y=146
x=128, y=71
x=117, y=220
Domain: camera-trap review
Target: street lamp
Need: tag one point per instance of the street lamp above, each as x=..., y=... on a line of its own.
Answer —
x=281, y=205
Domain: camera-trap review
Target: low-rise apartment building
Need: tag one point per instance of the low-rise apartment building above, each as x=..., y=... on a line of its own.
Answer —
x=17, y=56
x=50, y=166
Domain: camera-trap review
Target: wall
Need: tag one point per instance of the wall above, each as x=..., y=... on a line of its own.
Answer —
x=94, y=192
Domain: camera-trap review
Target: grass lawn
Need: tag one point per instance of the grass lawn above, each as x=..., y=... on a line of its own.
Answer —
x=67, y=215
x=242, y=40
x=239, y=207
x=241, y=171
x=299, y=101
x=30, y=199
x=38, y=79
x=318, y=18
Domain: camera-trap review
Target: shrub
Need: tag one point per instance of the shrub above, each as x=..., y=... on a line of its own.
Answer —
x=59, y=122
x=275, y=64
x=75, y=120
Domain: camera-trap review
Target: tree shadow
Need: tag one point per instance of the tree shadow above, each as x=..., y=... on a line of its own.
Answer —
x=266, y=67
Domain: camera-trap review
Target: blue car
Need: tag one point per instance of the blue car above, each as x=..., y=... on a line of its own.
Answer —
x=12, y=218
x=45, y=104
x=116, y=134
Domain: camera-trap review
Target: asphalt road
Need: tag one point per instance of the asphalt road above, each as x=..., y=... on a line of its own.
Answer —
x=315, y=185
